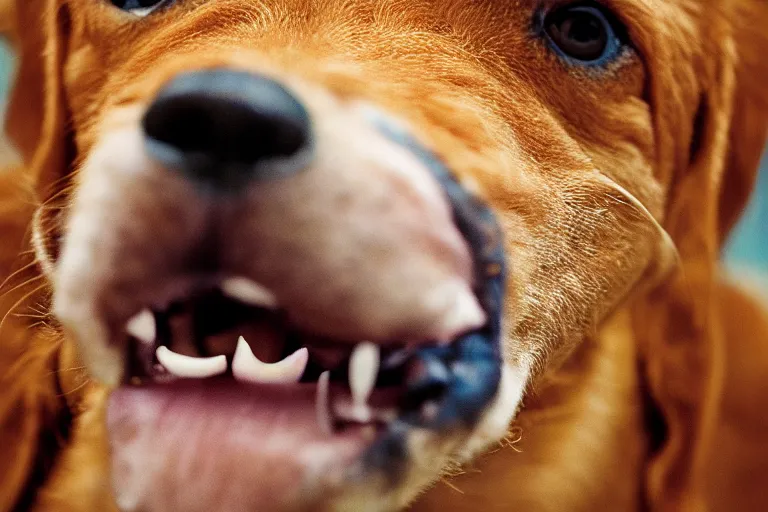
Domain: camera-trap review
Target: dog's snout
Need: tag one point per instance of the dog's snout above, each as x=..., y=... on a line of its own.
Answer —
x=227, y=128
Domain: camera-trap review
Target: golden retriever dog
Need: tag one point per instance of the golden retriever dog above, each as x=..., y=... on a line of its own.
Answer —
x=364, y=255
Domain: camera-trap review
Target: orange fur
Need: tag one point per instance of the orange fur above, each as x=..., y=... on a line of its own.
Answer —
x=647, y=396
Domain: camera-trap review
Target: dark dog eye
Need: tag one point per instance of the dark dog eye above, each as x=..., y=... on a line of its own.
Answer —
x=584, y=33
x=138, y=7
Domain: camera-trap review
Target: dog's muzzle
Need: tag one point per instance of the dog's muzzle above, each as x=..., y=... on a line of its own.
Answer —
x=420, y=286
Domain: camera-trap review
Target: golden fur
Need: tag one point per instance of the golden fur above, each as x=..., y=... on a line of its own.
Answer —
x=649, y=387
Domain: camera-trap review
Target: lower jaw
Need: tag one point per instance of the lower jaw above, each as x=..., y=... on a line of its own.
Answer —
x=224, y=446
x=217, y=445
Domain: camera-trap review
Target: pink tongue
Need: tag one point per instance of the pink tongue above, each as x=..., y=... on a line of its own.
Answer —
x=216, y=445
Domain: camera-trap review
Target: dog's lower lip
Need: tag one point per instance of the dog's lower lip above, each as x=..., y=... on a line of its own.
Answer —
x=261, y=440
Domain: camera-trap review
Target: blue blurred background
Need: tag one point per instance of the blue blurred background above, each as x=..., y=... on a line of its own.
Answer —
x=747, y=249
x=5, y=68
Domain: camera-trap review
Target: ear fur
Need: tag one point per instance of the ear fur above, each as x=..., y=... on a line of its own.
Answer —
x=678, y=325
x=749, y=126
x=7, y=17
x=36, y=112
x=33, y=417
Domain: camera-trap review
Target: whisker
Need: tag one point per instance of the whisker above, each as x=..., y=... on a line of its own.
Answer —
x=38, y=316
x=452, y=486
x=19, y=302
x=75, y=390
x=39, y=309
x=14, y=274
x=21, y=285
x=669, y=255
x=59, y=190
x=64, y=370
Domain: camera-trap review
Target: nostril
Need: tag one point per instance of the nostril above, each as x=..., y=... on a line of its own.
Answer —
x=228, y=127
x=180, y=124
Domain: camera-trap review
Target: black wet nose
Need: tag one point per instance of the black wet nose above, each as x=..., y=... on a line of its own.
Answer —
x=227, y=128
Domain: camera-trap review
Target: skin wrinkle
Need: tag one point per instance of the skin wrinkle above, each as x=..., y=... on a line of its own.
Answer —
x=475, y=86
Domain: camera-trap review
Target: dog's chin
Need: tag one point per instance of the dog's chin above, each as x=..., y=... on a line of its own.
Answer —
x=222, y=447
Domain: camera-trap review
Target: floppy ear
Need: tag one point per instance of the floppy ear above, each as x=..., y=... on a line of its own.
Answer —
x=749, y=127
x=7, y=17
x=36, y=113
x=678, y=325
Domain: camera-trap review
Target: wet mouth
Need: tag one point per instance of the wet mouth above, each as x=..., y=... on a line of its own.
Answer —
x=236, y=332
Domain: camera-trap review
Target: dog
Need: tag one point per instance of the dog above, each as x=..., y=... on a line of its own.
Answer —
x=369, y=255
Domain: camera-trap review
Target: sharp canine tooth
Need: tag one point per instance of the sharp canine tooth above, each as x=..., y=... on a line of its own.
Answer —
x=247, y=291
x=363, y=370
x=322, y=410
x=247, y=367
x=142, y=326
x=191, y=367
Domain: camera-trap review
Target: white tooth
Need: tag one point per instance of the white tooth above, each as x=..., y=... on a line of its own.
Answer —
x=191, y=367
x=142, y=326
x=247, y=367
x=322, y=410
x=245, y=290
x=363, y=370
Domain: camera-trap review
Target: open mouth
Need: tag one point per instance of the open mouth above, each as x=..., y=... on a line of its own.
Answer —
x=236, y=332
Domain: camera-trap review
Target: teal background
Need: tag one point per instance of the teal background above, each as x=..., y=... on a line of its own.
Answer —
x=747, y=247
x=5, y=68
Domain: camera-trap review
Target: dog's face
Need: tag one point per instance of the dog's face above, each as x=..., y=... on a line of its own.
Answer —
x=277, y=205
